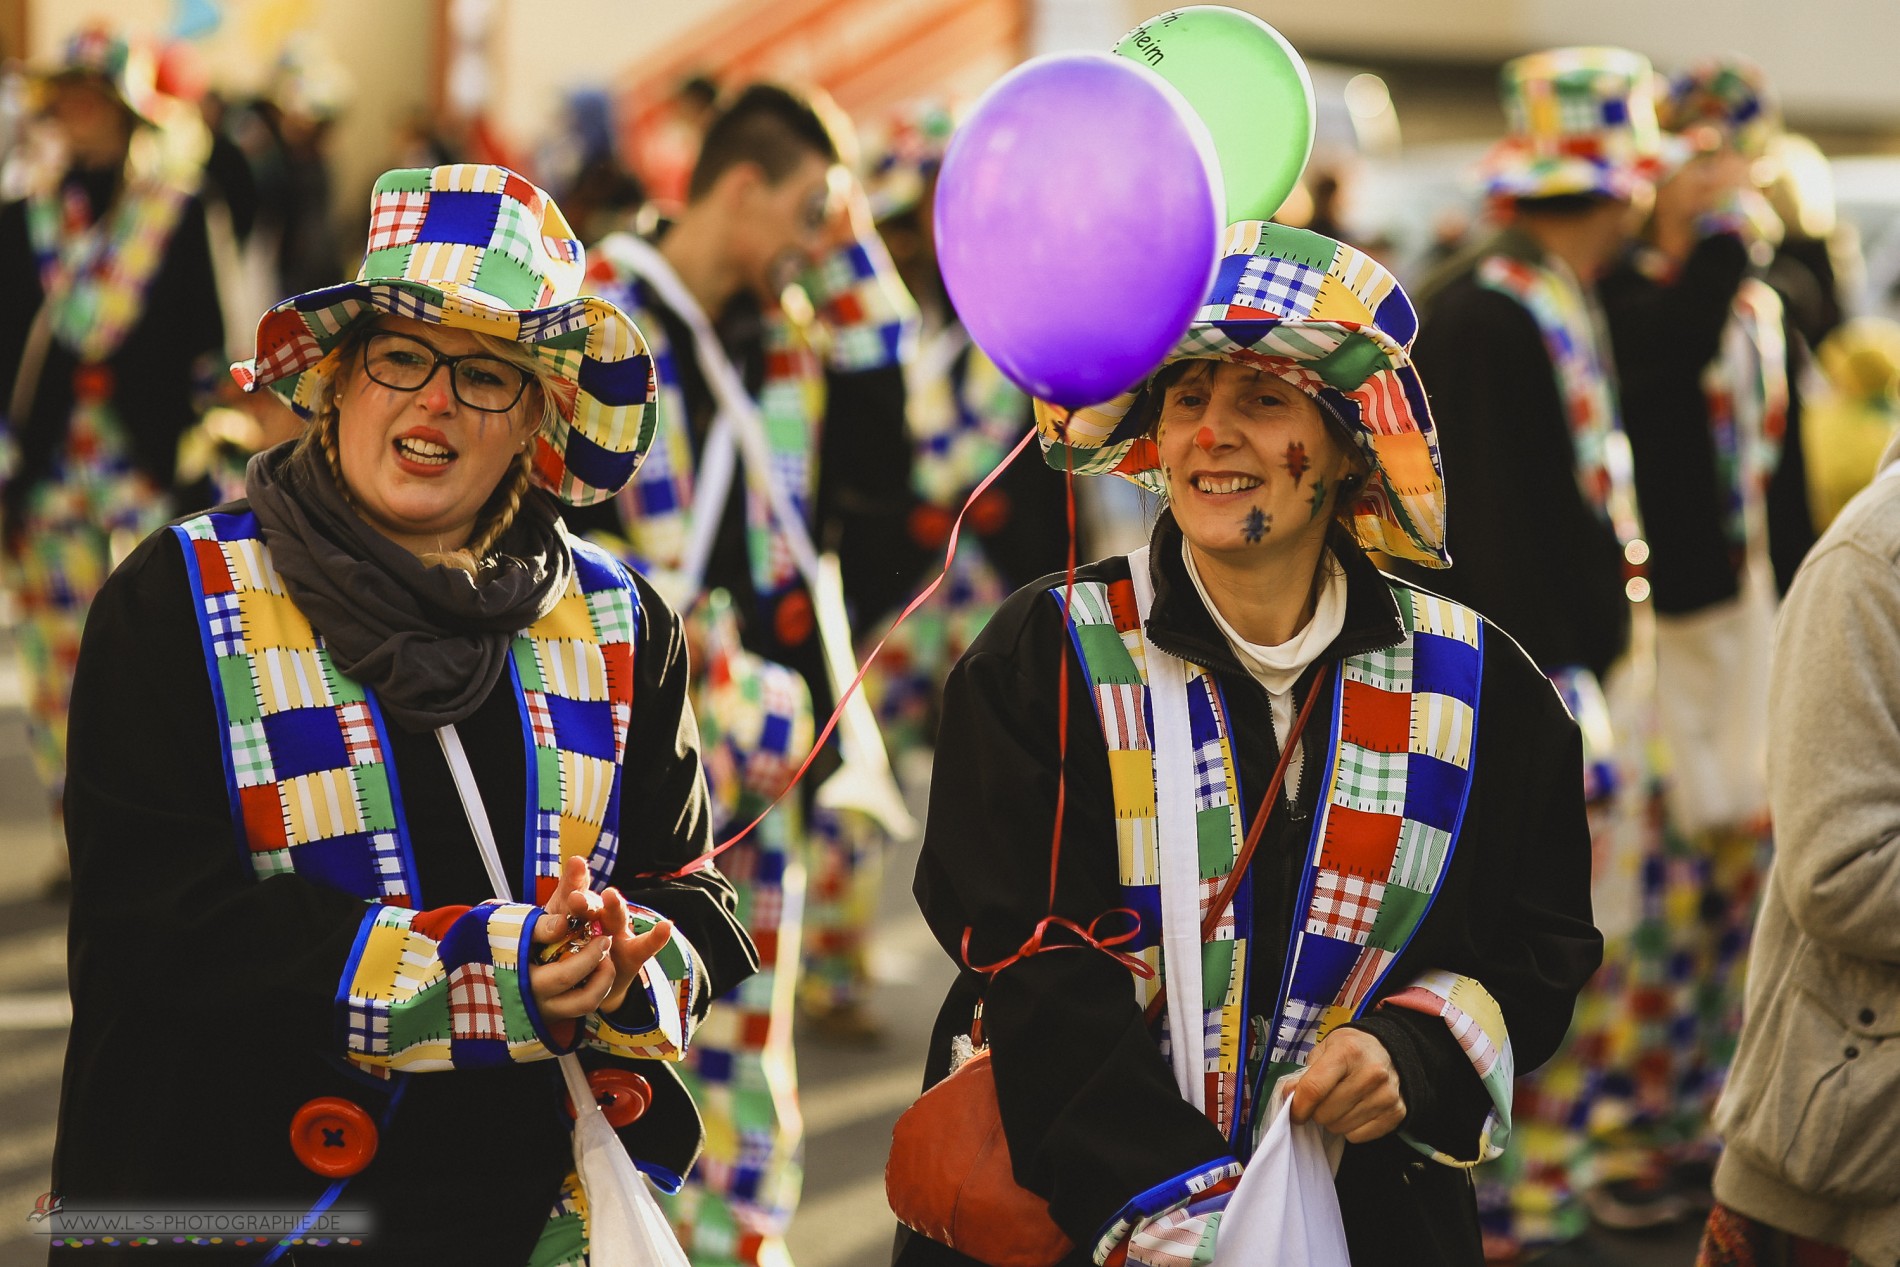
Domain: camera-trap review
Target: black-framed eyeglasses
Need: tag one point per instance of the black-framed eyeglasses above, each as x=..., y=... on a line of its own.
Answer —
x=482, y=382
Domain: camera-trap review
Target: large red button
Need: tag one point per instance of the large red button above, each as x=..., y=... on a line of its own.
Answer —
x=622, y=1095
x=333, y=1137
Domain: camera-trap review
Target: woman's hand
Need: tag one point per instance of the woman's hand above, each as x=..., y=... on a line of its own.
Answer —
x=630, y=951
x=1350, y=1087
x=572, y=985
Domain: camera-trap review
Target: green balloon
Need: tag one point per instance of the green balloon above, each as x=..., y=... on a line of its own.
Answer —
x=1248, y=86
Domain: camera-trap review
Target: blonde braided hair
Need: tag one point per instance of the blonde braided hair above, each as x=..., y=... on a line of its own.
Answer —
x=502, y=508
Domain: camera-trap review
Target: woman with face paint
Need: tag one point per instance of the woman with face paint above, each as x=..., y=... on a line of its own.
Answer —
x=1412, y=922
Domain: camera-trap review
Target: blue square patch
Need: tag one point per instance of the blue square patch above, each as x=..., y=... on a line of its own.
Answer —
x=304, y=741
x=1324, y=964
x=467, y=218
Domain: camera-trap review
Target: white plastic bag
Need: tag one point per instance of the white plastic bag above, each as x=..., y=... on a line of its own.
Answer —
x=625, y=1227
x=1285, y=1213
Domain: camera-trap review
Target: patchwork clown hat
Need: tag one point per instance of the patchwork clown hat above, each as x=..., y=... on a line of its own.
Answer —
x=1580, y=120
x=1728, y=96
x=128, y=69
x=477, y=247
x=911, y=155
x=1328, y=318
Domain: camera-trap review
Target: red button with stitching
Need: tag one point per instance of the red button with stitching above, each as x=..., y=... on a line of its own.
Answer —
x=623, y=1096
x=333, y=1137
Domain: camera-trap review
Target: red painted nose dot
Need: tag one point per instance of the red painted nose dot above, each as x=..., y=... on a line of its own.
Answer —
x=1205, y=438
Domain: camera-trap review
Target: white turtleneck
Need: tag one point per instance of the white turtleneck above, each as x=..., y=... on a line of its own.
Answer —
x=1278, y=668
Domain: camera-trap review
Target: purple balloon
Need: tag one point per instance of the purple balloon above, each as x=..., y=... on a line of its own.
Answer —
x=1078, y=222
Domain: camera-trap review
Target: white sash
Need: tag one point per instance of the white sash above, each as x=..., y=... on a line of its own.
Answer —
x=1180, y=858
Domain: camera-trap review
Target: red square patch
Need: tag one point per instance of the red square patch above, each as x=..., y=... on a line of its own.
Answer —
x=212, y=567
x=1378, y=720
x=1358, y=843
x=1121, y=606
x=619, y=660
x=263, y=817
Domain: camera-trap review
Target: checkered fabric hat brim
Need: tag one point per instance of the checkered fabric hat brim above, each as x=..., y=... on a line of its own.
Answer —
x=477, y=247
x=1329, y=319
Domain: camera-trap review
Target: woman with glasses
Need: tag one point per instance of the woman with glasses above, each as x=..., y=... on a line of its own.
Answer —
x=302, y=982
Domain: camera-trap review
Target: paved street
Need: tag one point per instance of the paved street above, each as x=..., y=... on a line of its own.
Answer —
x=850, y=1097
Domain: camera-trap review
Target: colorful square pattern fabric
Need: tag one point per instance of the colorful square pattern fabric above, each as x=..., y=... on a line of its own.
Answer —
x=1404, y=725
x=1329, y=319
x=480, y=248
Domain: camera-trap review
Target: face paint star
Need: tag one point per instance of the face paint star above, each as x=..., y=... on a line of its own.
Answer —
x=1256, y=526
x=1319, y=497
x=1295, y=461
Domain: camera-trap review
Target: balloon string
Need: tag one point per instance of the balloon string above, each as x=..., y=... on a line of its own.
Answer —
x=949, y=555
x=1037, y=940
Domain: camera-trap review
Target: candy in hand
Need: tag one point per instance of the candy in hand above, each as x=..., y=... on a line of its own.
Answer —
x=579, y=933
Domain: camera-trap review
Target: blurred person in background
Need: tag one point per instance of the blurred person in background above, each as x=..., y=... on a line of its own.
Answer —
x=771, y=275
x=667, y=150
x=111, y=325
x=581, y=163
x=1708, y=369
x=1854, y=416
x=1818, y=258
x=964, y=418
x=1810, y=1118
x=1511, y=342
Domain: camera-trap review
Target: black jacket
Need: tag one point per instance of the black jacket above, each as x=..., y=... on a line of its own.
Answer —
x=204, y=1006
x=1089, y=1105
x=1664, y=336
x=1526, y=549
x=152, y=371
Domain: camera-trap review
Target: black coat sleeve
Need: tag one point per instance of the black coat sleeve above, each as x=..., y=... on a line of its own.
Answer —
x=1526, y=549
x=1075, y=1065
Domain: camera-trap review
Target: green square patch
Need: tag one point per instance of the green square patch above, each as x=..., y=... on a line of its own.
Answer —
x=548, y=772
x=1214, y=832
x=1217, y=972
x=240, y=688
x=423, y=1019
x=343, y=688
x=1398, y=915
x=404, y=180
x=514, y=1015
x=507, y=279
x=1106, y=656
x=527, y=666
x=372, y=795
x=1351, y=363
x=1301, y=246
x=391, y=261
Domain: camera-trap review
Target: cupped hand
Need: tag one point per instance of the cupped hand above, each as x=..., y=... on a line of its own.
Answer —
x=1350, y=1087
x=573, y=985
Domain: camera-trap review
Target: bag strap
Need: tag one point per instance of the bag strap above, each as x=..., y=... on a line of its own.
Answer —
x=1252, y=843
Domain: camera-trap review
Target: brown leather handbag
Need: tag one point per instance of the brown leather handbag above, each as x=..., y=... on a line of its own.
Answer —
x=949, y=1175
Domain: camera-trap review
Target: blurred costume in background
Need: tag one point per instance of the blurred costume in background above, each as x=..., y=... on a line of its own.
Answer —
x=1543, y=519
x=582, y=165
x=1818, y=256
x=964, y=419
x=1710, y=367
x=1854, y=417
x=735, y=500
x=111, y=325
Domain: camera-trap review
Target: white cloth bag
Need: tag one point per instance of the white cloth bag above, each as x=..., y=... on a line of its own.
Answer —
x=1285, y=1213
x=625, y=1226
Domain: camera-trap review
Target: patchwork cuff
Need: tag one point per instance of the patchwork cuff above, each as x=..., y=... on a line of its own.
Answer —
x=443, y=989
x=1179, y=1194
x=655, y=1022
x=1477, y=1022
x=871, y=317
